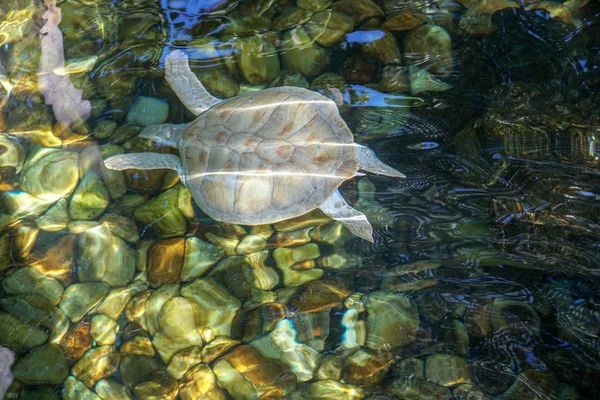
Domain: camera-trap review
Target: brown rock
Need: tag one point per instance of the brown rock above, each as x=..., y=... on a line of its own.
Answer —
x=366, y=367
x=317, y=296
x=77, y=340
x=165, y=261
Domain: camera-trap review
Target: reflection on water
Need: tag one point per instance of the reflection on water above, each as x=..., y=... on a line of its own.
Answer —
x=481, y=281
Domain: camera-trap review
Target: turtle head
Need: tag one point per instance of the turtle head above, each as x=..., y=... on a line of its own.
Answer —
x=165, y=135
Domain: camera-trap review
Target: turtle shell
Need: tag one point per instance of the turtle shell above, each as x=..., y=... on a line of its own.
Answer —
x=267, y=156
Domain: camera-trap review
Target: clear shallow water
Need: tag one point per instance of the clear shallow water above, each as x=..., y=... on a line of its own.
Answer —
x=482, y=278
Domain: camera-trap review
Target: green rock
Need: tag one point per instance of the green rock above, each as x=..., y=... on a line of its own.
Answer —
x=446, y=370
x=104, y=257
x=301, y=53
x=148, y=111
x=289, y=78
x=13, y=331
x=359, y=9
x=314, y=5
x=136, y=369
x=50, y=174
x=247, y=25
x=418, y=389
x=29, y=280
x=121, y=227
x=56, y=218
x=104, y=128
x=43, y=365
x=382, y=46
x=166, y=215
x=291, y=17
x=422, y=81
x=257, y=60
x=90, y=199
x=215, y=308
x=329, y=27
x=199, y=257
x=96, y=363
x=219, y=82
x=430, y=46
x=393, y=320
x=79, y=298
x=75, y=390
x=109, y=389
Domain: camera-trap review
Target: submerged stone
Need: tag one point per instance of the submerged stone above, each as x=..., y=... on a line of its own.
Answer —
x=166, y=215
x=105, y=257
x=393, y=320
x=90, y=198
x=76, y=390
x=199, y=257
x=200, y=383
x=43, y=365
x=28, y=280
x=109, y=389
x=446, y=370
x=16, y=333
x=96, y=364
x=301, y=53
x=257, y=59
x=148, y=111
x=79, y=298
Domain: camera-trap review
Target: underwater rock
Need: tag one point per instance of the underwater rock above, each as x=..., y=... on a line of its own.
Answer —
x=50, y=174
x=332, y=390
x=165, y=261
x=446, y=370
x=18, y=334
x=360, y=10
x=248, y=25
x=159, y=385
x=257, y=60
x=76, y=390
x=183, y=361
x=56, y=218
x=12, y=157
x=115, y=301
x=214, y=308
x=291, y=17
x=148, y=111
x=329, y=27
x=121, y=227
x=430, y=47
x=109, y=389
x=287, y=258
x=532, y=384
x=514, y=314
x=104, y=257
x=90, y=198
x=219, y=346
x=393, y=320
x=178, y=328
x=477, y=20
x=379, y=45
x=405, y=20
x=281, y=344
x=166, y=215
x=265, y=277
x=45, y=364
x=104, y=329
x=366, y=367
x=330, y=367
x=136, y=369
x=418, y=389
x=289, y=239
x=394, y=78
x=28, y=280
x=78, y=340
x=318, y=296
x=333, y=234
x=302, y=54
x=247, y=375
x=96, y=364
x=251, y=244
x=288, y=78
x=422, y=81
x=114, y=181
x=104, y=128
x=314, y=5
x=199, y=257
x=79, y=298
x=200, y=383
x=137, y=346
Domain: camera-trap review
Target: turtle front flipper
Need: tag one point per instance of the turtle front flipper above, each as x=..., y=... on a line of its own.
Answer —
x=368, y=161
x=186, y=85
x=336, y=207
x=146, y=161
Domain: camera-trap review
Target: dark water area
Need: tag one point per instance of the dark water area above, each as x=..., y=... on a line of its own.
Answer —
x=481, y=281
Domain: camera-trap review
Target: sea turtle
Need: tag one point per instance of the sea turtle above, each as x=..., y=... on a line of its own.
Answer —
x=260, y=157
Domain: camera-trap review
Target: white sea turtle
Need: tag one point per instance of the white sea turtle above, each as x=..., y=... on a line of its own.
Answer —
x=260, y=157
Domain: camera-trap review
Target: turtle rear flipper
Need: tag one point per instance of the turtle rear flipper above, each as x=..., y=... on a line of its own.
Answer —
x=336, y=207
x=186, y=85
x=146, y=161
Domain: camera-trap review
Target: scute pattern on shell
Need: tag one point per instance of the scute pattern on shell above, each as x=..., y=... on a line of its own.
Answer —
x=267, y=156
